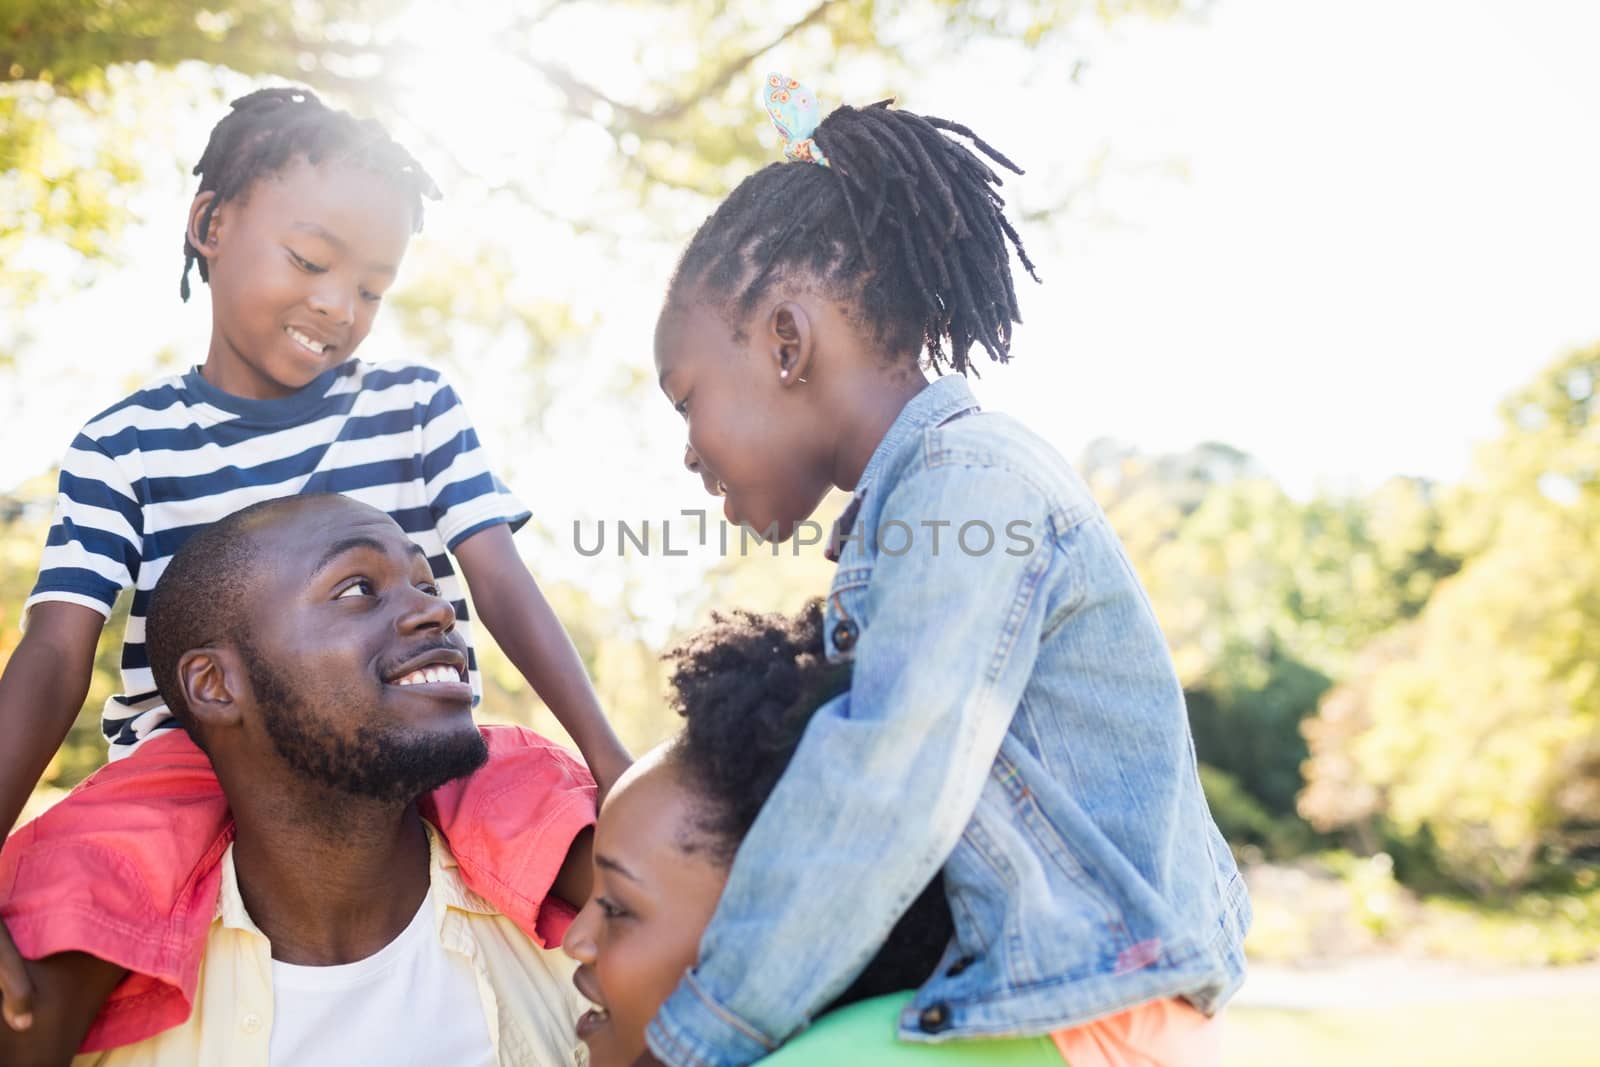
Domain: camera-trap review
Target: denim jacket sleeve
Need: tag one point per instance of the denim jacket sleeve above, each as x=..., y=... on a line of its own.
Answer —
x=885, y=779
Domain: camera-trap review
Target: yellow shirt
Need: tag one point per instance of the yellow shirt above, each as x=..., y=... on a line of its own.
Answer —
x=529, y=1003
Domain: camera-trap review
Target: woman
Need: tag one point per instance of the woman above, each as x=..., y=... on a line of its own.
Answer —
x=747, y=686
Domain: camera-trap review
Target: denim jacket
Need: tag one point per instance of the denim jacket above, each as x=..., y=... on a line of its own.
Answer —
x=1015, y=719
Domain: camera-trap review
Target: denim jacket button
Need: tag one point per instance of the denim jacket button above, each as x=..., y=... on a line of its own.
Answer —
x=959, y=965
x=844, y=636
x=934, y=1018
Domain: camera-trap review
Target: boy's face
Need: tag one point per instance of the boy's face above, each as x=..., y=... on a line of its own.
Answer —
x=298, y=265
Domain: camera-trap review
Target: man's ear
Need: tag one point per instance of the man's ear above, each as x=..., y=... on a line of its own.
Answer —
x=214, y=686
x=205, y=222
x=792, y=341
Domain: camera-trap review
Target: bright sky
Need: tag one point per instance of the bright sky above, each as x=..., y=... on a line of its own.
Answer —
x=1390, y=221
x=1334, y=233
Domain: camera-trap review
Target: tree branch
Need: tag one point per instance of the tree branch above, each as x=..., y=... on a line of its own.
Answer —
x=581, y=98
x=732, y=68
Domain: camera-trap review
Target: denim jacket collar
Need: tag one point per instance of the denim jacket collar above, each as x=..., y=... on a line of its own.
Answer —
x=942, y=399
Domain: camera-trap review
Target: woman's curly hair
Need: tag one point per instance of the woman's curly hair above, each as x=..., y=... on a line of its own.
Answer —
x=747, y=686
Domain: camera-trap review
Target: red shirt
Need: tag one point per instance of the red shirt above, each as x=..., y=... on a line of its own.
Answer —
x=127, y=867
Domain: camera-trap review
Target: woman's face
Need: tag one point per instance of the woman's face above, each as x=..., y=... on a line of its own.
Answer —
x=653, y=896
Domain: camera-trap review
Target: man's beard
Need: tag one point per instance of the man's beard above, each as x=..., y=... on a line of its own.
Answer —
x=383, y=762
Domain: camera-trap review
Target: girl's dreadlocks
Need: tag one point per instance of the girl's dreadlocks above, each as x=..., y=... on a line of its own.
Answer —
x=906, y=222
x=747, y=686
x=269, y=127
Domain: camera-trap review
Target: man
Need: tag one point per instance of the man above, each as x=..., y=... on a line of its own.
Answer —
x=302, y=643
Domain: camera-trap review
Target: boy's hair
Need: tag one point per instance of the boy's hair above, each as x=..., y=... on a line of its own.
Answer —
x=747, y=685
x=269, y=127
x=905, y=222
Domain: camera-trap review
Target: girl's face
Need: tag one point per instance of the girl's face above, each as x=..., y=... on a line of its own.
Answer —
x=652, y=899
x=760, y=439
x=298, y=265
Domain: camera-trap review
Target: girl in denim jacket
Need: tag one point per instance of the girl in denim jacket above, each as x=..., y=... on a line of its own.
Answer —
x=1014, y=720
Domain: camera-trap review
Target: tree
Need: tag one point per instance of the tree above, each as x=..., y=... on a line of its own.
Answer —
x=653, y=125
x=68, y=68
x=60, y=61
x=1265, y=600
x=93, y=95
x=1485, y=737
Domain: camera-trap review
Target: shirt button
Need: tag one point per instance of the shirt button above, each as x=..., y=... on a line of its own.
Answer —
x=250, y=1023
x=934, y=1018
x=844, y=635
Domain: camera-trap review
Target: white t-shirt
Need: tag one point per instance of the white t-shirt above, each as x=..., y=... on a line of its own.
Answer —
x=412, y=1002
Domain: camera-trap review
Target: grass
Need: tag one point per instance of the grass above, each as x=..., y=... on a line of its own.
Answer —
x=1549, y=1032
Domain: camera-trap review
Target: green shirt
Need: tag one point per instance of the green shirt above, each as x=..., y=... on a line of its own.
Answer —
x=863, y=1035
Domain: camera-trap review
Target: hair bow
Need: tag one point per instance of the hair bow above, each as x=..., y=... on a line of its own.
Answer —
x=794, y=110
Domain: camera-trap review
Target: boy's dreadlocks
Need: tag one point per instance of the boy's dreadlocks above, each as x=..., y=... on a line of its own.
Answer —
x=906, y=222
x=269, y=127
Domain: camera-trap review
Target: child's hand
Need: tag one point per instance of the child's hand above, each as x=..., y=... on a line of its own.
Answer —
x=16, y=991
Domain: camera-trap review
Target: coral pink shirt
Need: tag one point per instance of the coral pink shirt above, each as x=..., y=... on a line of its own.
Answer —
x=128, y=866
x=1162, y=1033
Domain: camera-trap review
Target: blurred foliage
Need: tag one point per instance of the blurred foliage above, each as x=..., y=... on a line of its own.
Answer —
x=1531, y=929
x=1414, y=671
x=72, y=115
x=629, y=677
x=1478, y=727
x=1462, y=628
x=1265, y=600
x=96, y=100
x=1253, y=732
x=681, y=121
x=1247, y=824
x=71, y=43
x=1335, y=905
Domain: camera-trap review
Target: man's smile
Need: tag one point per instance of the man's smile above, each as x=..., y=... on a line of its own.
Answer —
x=437, y=666
x=430, y=675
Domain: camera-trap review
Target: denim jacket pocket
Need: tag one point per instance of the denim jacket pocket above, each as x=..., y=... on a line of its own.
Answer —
x=845, y=613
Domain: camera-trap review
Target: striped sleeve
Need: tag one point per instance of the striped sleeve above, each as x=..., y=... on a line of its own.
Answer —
x=463, y=493
x=92, y=551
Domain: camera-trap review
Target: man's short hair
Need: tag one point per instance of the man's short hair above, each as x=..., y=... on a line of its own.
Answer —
x=202, y=597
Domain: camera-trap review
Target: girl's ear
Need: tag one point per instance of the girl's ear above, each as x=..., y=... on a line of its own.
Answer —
x=792, y=341
x=204, y=222
x=212, y=681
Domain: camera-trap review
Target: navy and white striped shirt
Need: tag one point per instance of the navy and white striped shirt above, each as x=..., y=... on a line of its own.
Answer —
x=180, y=454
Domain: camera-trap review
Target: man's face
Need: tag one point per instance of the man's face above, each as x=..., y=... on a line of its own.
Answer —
x=359, y=677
